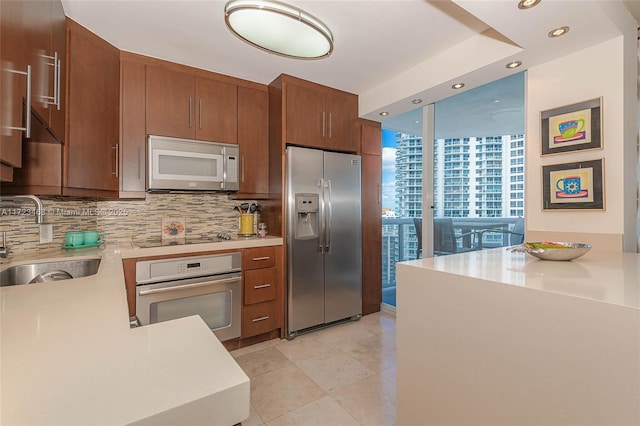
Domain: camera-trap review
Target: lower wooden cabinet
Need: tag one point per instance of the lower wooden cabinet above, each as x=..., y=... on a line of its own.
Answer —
x=262, y=278
x=260, y=286
x=259, y=318
x=259, y=257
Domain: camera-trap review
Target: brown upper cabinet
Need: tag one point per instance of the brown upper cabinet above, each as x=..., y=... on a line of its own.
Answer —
x=370, y=137
x=253, y=140
x=33, y=49
x=86, y=164
x=92, y=149
x=132, y=129
x=185, y=106
x=317, y=116
x=45, y=36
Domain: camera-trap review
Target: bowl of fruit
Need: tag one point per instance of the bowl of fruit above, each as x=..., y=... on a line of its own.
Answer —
x=553, y=250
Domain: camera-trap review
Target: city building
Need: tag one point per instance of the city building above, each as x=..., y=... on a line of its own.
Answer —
x=479, y=177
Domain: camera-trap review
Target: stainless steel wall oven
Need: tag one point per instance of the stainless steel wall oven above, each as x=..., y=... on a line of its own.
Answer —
x=209, y=286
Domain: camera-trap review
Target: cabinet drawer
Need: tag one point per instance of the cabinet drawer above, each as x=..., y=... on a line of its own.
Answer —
x=259, y=318
x=259, y=285
x=259, y=257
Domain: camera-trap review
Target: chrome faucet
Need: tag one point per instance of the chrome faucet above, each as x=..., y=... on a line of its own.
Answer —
x=4, y=250
x=39, y=213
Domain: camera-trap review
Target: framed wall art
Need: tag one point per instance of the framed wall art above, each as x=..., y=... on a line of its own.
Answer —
x=572, y=127
x=573, y=186
x=173, y=228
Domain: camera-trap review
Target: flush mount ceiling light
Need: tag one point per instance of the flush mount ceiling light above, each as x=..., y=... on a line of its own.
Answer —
x=279, y=28
x=458, y=86
x=527, y=4
x=384, y=113
x=416, y=101
x=558, y=32
x=514, y=64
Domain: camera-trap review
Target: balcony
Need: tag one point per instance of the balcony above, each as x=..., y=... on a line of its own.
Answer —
x=400, y=243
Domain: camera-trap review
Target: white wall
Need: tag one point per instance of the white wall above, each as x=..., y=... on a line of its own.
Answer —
x=598, y=71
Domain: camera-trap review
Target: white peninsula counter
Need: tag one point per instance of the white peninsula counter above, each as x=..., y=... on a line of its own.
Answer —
x=500, y=338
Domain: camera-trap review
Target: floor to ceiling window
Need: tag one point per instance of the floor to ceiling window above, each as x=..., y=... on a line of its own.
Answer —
x=478, y=168
x=478, y=177
x=401, y=200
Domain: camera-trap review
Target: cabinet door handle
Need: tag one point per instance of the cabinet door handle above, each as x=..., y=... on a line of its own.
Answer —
x=27, y=121
x=190, y=112
x=55, y=63
x=379, y=194
x=139, y=164
x=117, y=172
x=330, y=127
x=261, y=258
x=28, y=107
x=260, y=319
x=323, y=125
x=261, y=286
x=57, y=93
x=200, y=113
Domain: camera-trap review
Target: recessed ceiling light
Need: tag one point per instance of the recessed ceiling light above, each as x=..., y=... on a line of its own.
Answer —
x=458, y=86
x=514, y=64
x=279, y=28
x=527, y=4
x=558, y=32
x=417, y=121
x=417, y=101
x=384, y=113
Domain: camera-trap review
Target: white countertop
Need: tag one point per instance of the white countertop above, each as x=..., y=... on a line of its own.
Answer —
x=607, y=276
x=69, y=357
x=129, y=251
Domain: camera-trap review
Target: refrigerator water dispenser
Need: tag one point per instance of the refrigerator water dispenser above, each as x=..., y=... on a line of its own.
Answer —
x=306, y=226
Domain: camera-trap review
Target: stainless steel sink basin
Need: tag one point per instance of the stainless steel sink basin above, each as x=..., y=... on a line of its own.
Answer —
x=48, y=271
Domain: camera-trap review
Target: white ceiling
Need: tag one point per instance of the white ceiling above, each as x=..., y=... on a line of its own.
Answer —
x=374, y=40
x=377, y=42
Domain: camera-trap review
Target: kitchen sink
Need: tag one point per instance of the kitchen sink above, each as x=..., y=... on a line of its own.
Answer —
x=48, y=271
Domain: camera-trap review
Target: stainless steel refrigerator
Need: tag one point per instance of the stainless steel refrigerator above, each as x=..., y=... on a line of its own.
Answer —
x=324, y=238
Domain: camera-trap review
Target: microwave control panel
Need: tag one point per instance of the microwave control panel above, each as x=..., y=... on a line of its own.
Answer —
x=232, y=168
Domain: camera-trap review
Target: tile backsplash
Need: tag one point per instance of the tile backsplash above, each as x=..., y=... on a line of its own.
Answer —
x=205, y=214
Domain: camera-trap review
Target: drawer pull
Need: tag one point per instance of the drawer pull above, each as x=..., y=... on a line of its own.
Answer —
x=260, y=319
x=261, y=258
x=262, y=286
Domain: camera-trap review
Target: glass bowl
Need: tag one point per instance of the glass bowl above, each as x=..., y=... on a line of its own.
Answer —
x=553, y=250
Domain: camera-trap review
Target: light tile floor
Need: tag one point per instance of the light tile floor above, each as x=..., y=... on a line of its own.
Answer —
x=342, y=375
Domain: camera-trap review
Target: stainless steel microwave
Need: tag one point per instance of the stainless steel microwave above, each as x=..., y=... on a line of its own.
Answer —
x=190, y=165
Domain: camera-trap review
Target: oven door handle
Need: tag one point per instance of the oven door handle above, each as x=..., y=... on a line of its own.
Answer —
x=186, y=286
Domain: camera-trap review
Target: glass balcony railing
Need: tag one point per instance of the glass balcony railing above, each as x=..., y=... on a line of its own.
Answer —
x=400, y=243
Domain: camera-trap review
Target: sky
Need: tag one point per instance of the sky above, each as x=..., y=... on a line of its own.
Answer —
x=388, y=169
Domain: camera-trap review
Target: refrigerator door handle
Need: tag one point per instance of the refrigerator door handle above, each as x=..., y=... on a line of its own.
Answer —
x=328, y=226
x=322, y=233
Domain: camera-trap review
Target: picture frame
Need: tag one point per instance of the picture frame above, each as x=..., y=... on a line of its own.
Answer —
x=571, y=128
x=573, y=186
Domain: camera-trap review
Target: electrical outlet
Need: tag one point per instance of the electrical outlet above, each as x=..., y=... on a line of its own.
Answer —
x=46, y=233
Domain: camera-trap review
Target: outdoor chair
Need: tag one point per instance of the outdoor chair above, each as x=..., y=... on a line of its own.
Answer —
x=445, y=240
x=516, y=235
